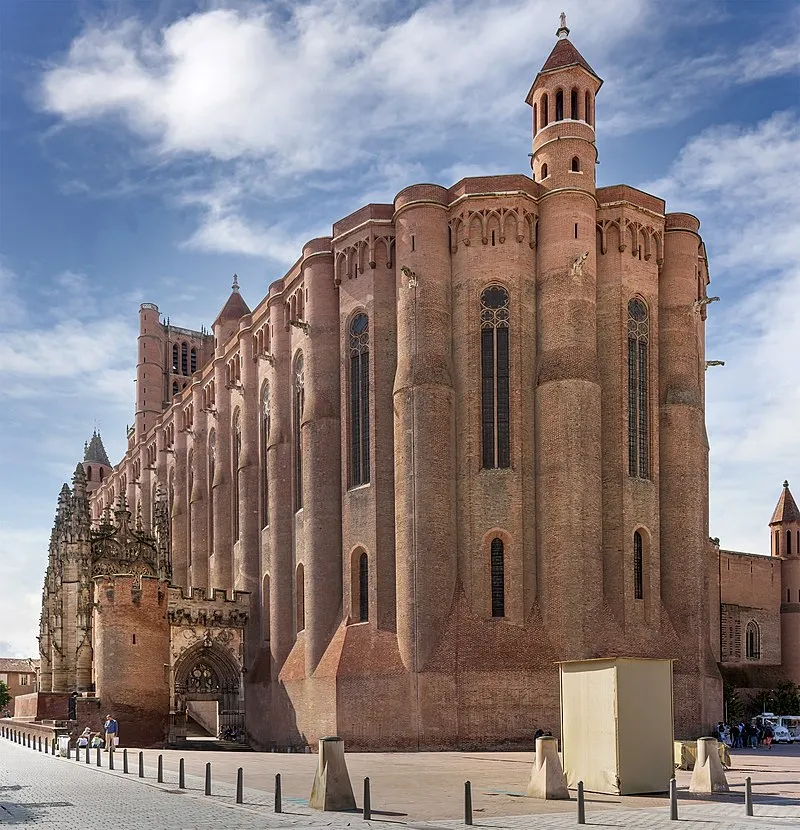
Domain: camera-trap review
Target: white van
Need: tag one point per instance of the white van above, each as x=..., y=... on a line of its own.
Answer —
x=792, y=723
x=780, y=733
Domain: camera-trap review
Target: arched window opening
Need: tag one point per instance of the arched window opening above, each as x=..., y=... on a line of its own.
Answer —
x=535, y=120
x=588, y=109
x=545, y=113
x=193, y=361
x=265, y=610
x=300, y=589
x=638, y=566
x=184, y=359
x=573, y=105
x=212, y=462
x=777, y=537
x=264, y=458
x=753, y=641
x=576, y=164
x=101, y=471
x=638, y=390
x=544, y=171
x=175, y=358
x=359, y=400
x=297, y=415
x=236, y=440
x=88, y=473
x=498, y=579
x=363, y=588
x=495, y=404
x=560, y=105
x=175, y=388
x=788, y=542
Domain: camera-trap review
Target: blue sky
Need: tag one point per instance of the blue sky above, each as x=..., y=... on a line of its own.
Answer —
x=149, y=150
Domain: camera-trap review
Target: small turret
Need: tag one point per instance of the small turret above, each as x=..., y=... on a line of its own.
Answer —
x=227, y=321
x=785, y=525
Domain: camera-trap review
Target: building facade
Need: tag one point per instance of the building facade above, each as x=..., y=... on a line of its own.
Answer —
x=19, y=676
x=461, y=439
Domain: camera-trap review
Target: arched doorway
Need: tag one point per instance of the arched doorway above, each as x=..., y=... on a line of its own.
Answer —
x=208, y=693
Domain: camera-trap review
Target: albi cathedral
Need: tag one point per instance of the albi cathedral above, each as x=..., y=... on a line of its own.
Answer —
x=462, y=439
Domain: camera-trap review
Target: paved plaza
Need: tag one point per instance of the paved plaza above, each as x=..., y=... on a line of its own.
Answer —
x=416, y=790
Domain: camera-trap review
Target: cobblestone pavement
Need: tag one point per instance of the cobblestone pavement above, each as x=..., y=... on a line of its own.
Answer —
x=38, y=789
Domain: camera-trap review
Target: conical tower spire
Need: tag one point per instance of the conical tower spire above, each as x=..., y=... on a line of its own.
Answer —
x=94, y=451
x=786, y=508
x=785, y=525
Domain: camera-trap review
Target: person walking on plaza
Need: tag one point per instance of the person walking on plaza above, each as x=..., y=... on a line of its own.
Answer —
x=111, y=728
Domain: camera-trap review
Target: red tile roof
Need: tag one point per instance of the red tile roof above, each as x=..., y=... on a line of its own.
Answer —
x=786, y=509
x=18, y=664
x=565, y=54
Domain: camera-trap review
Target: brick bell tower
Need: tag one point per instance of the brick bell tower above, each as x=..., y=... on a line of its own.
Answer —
x=568, y=394
x=784, y=529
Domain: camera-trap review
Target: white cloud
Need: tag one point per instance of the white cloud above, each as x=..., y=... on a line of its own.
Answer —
x=744, y=183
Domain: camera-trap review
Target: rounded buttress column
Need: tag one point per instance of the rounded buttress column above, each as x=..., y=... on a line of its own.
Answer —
x=221, y=559
x=180, y=524
x=321, y=437
x=198, y=497
x=424, y=424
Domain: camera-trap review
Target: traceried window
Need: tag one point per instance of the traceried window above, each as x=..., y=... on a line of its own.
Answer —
x=297, y=416
x=359, y=400
x=495, y=416
x=202, y=679
x=264, y=460
x=235, y=456
x=193, y=361
x=184, y=359
x=498, y=578
x=175, y=361
x=638, y=390
x=363, y=588
x=638, y=566
x=753, y=641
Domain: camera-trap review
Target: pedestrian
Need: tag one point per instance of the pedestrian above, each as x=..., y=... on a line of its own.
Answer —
x=768, y=736
x=111, y=728
x=97, y=741
x=84, y=738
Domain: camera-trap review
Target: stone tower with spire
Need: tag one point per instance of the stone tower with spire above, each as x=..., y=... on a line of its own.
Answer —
x=785, y=536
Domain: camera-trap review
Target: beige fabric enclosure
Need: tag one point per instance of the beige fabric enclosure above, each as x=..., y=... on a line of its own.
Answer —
x=617, y=724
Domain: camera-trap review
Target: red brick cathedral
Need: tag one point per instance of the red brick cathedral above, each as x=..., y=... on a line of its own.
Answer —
x=463, y=438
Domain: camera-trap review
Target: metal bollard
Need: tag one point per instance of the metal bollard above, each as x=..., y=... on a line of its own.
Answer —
x=141, y=765
x=111, y=756
x=160, y=773
x=581, y=804
x=748, y=796
x=239, y=786
x=673, y=799
x=278, y=807
x=77, y=753
x=467, y=802
x=99, y=758
x=68, y=751
x=87, y=754
x=367, y=801
x=40, y=743
x=125, y=761
x=208, y=778
x=181, y=775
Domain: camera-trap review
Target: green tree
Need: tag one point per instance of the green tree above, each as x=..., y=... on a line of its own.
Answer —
x=4, y=695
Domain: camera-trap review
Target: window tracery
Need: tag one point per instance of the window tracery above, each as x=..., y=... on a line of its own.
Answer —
x=299, y=400
x=359, y=400
x=495, y=404
x=638, y=389
x=498, y=578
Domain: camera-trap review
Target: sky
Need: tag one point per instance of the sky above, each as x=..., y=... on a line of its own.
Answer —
x=149, y=150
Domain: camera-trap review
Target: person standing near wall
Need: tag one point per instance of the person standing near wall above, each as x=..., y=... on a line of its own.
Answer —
x=111, y=728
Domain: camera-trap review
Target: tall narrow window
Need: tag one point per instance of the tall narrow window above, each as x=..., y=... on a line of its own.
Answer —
x=777, y=543
x=265, y=609
x=498, y=579
x=788, y=542
x=638, y=390
x=588, y=109
x=193, y=361
x=545, y=114
x=300, y=588
x=359, y=400
x=573, y=105
x=495, y=415
x=535, y=120
x=184, y=359
x=175, y=388
x=752, y=641
x=297, y=415
x=559, y=105
x=212, y=462
x=236, y=441
x=638, y=566
x=264, y=458
x=175, y=358
x=363, y=588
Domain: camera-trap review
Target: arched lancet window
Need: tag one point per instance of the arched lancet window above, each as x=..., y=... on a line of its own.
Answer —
x=236, y=447
x=102, y=476
x=88, y=473
x=300, y=589
x=189, y=485
x=638, y=566
x=359, y=400
x=588, y=108
x=638, y=389
x=297, y=415
x=753, y=641
x=264, y=459
x=193, y=361
x=777, y=543
x=363, y=588
x=545, y=113
x=535, y=120
x=212, y=463
x=544, y=171
x=498, y=570
x=175, y=388
x=495, y=415
x=573, y=105
x=576, y=164
x=788, y=542
x=184, y=359
x=265, y=610
x=171, y=492
x=175, y=363
x=559, y=105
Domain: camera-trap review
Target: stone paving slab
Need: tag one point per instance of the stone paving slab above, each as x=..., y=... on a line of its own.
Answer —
x=59, y=793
